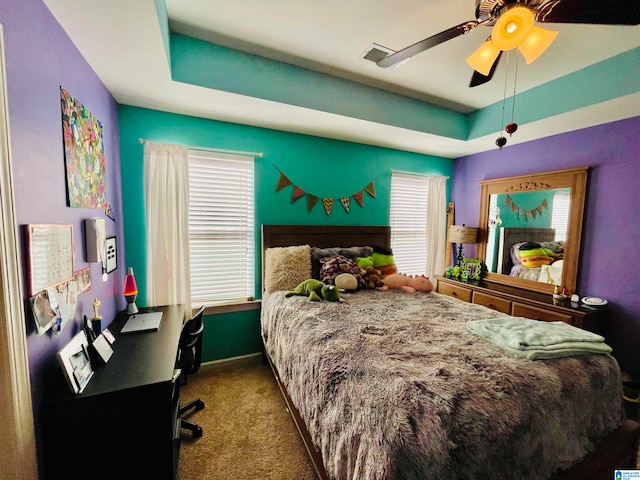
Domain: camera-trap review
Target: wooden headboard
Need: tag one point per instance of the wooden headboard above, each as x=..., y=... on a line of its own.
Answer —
x=512, y=235
x=325, y=236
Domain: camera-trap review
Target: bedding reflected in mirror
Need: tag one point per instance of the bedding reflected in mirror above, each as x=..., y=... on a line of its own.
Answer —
x=526, y=234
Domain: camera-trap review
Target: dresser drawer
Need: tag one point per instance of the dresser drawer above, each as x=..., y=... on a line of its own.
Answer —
x=520, y=310
x=494, y=303
x=456, y=291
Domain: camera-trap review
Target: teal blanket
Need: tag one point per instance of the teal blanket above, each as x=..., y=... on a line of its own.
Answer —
x=538, y=340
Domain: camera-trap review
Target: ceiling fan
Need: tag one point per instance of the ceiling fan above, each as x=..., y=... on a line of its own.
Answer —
x=513, y=27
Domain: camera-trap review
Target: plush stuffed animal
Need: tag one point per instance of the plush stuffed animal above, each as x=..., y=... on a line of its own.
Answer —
x=316, y=291
x=364, y=262
x=346, y=281
x=334, y=266
x=409, y=284
x=383, y=261
x=372, y=278
x=532, y=254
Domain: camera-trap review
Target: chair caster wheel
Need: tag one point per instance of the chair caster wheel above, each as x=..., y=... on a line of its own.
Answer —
x=200, y=405
x=197, y=433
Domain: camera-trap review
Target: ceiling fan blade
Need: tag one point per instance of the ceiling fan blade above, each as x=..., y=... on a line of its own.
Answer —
x=423, y=45
x=602, y=12
x=479, y=79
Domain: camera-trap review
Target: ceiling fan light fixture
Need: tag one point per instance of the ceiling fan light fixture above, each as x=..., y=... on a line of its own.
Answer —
x=483, y=58
x=512, y=28
x=536, y=43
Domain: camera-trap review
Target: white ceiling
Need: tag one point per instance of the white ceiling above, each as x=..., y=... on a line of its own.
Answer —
x=122, y=41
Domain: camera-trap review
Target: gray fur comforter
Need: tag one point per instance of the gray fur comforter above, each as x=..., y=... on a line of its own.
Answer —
x=392, y=386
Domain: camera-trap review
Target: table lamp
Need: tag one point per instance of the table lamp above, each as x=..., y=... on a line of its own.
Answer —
x=462, y=234
x=130, y=291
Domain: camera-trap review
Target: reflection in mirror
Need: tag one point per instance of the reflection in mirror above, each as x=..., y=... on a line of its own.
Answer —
x=526, y=234
x=530, y=229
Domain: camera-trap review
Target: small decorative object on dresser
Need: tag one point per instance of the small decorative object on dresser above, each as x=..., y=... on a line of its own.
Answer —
x=473, y=268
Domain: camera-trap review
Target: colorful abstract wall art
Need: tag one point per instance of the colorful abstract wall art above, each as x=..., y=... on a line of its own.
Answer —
x=84, y=155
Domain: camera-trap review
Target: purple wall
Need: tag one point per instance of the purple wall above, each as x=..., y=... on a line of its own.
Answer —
x=40, y=58
x=612, y=215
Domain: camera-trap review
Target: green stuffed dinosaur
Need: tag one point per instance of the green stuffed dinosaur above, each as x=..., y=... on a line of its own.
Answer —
x=316, y=291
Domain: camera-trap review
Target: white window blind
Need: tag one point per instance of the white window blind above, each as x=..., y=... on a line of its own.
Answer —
x=408, y=220
x=221, y=227
x=560, y=214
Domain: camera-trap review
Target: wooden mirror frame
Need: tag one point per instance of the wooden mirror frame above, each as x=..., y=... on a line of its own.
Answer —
x=576, y=180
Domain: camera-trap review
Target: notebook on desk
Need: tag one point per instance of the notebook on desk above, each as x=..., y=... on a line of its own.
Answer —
x=142, y=322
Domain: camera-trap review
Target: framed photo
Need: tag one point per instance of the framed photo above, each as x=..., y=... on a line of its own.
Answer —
x=75, y=362
x=83, y=279
x=50, y=255
x=111, y=255
x=473, y=268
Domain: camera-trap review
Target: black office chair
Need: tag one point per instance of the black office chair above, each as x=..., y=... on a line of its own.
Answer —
x=188, y=361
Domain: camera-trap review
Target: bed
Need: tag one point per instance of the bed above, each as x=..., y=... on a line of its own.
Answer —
x=547, y=269
x=389, y=385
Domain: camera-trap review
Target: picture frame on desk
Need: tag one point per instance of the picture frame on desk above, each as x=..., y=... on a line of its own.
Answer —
x=76, y=363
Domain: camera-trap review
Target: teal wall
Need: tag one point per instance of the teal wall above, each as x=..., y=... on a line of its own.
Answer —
x=320, y=166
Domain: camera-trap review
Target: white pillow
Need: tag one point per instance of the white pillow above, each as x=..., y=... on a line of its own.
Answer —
x=286, y=267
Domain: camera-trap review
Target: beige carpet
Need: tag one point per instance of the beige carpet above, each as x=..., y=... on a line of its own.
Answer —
x=248, y=433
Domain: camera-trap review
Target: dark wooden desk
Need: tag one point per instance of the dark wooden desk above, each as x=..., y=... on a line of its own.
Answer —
x=125, y=423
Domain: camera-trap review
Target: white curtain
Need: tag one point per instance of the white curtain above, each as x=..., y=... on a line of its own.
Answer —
x=436, y=226
x=166, y=192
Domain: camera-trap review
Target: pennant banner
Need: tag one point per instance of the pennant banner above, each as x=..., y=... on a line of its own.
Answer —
x=528, y=214
x=359, y=197
x=346, y=201
x=328, y=205
x=327, y=202
x=297, y=194
x=283, y=182
x=371, y=190
x=311, y=201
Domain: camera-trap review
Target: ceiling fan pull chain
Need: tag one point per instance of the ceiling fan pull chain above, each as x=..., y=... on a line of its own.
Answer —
x=513, y=126
x=501, y=141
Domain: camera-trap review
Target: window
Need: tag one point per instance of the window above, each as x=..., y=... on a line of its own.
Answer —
x=560, y=213
x=408, y=220
x=221, y=227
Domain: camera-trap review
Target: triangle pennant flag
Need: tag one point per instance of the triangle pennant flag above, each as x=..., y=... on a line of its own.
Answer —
x=359, y=197
x=545, y=204
x=346, y=201
x=508, y=201
x=328, y=205
x=297, y=194
x=539, y=209
x=371, y=190
x=514, y=207
x=283, y=182
x=311, y=201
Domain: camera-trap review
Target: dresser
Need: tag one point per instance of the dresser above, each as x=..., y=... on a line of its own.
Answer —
x=125, y=424
x=523, y=303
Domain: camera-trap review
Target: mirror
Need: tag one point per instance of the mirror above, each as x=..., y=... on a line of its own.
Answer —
x=530, y=229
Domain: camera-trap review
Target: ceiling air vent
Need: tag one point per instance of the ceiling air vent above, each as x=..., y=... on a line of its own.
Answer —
x=376, y=52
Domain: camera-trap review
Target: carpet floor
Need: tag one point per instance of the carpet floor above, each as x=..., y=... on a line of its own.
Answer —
x=247, y=431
